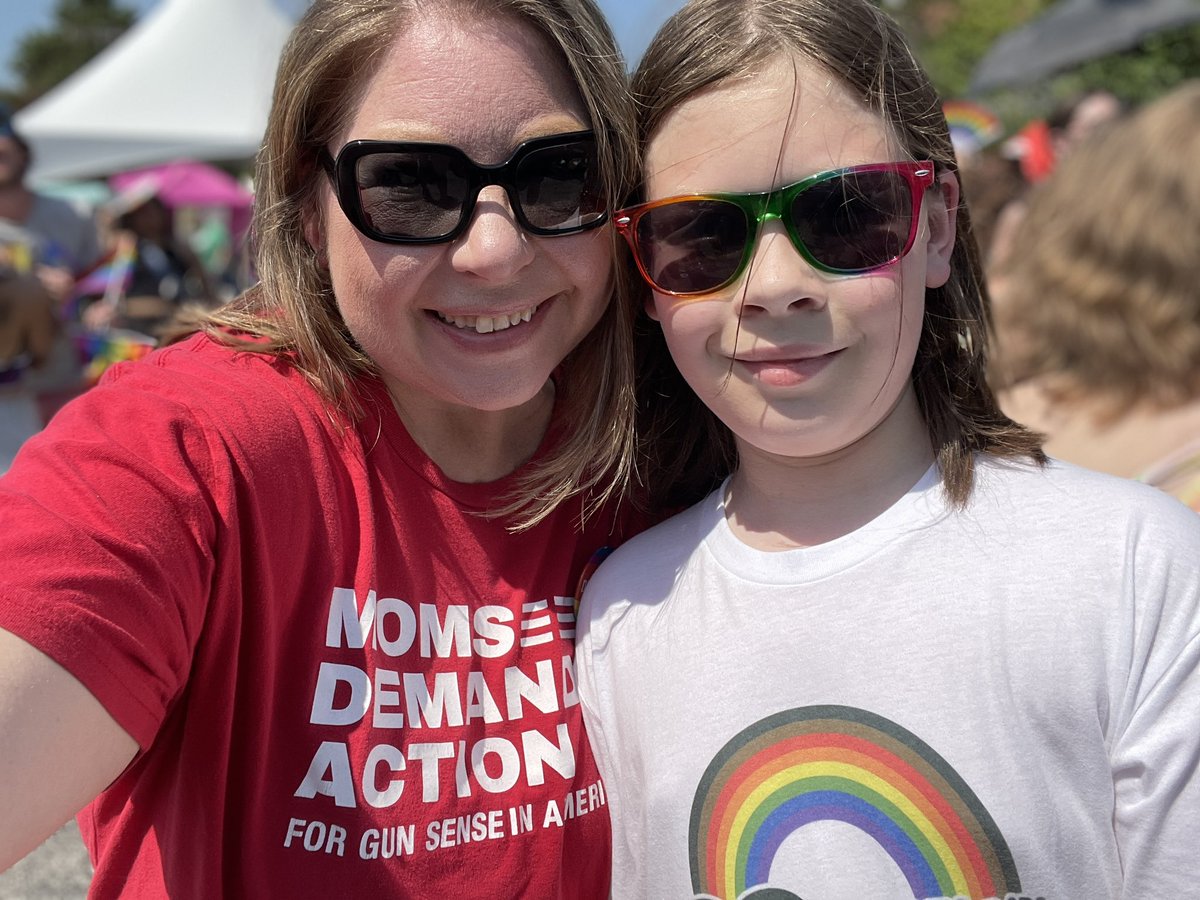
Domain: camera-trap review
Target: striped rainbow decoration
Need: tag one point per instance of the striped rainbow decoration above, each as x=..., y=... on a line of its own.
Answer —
x=972, y=125
x=838, y=763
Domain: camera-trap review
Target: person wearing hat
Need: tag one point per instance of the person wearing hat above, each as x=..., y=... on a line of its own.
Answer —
x=164, y=272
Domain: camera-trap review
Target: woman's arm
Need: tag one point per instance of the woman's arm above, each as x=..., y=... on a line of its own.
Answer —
x=59, y=747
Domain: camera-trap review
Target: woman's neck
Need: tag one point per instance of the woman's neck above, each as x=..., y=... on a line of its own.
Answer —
x=476, y=446
x=781, y=503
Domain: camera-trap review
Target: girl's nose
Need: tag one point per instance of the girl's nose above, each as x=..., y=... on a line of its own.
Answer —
x=778, y=277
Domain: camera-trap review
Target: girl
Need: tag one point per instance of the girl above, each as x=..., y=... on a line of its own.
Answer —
x=288, y=605
x=895, y=653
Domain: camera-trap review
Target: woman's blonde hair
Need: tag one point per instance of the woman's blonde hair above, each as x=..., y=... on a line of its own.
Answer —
x=326, y=65
x=708, y=42
x=1102, y=291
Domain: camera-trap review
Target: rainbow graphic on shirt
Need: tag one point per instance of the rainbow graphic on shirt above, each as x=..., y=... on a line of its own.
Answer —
x=837, y=763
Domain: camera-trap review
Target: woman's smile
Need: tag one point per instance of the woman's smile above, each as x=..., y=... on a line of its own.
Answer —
x=487, y=324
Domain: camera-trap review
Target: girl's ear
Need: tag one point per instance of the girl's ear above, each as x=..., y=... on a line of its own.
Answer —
x=941, y=208
x=648, y=305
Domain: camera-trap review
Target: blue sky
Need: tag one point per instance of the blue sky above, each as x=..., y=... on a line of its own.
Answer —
x=634, y=21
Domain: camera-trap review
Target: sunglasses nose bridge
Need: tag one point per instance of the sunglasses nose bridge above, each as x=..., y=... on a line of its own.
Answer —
x=764, y=209
x=770, y=209
x=495, y=234
x=503, y=176
x=783, y=263
x=511, y=204
x=767, y=216
x=777, y=207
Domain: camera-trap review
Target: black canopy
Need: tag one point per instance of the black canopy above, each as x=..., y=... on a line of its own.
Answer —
x=1074, y=31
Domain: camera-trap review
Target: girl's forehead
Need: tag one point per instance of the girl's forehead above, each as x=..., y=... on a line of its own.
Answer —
x=787, y=120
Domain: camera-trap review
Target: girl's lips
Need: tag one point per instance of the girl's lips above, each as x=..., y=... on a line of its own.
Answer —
x=785, y=372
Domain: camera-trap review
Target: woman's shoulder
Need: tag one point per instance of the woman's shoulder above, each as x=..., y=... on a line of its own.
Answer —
x=201, y=391
x=194, y=419
x=204, y=371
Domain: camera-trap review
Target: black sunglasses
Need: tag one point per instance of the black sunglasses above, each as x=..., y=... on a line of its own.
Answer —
x=405, y=192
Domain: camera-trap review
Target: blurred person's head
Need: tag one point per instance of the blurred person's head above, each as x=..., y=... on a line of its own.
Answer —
x=1101, y=294
x=1077, y=120
x=990, y=182
x=15, y=155
x=150, y=218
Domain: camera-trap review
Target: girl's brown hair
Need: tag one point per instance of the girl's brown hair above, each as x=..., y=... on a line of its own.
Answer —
x=687, y=449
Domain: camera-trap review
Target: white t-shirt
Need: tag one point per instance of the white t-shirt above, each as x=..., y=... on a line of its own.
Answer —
x=1002, y=701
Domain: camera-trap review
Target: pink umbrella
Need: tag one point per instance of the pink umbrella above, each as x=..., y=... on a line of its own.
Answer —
x=184, y=183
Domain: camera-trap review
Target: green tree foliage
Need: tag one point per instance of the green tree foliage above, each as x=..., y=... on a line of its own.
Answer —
x=81, y=29
x=951, y=36
x=1162, y=61
x=1137, y=76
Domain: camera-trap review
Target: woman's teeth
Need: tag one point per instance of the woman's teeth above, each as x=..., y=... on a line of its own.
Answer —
x=488, y=324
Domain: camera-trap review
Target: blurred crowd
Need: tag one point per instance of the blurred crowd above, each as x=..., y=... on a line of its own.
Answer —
x=1089, y=223
x=85, y=285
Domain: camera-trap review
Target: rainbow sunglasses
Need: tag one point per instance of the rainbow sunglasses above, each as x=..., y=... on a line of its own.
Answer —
x=844, y=221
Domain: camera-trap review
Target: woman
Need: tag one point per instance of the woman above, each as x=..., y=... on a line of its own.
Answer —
x=292, y=599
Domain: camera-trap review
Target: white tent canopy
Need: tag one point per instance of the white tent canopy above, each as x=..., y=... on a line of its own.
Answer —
x=192, y=79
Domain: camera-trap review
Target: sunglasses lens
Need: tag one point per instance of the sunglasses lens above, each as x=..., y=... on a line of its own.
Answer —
x=558, y=187
x=855, y=221
x=418, y=195
x=692, y=246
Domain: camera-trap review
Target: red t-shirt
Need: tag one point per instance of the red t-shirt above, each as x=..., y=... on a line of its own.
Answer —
x=344, y=684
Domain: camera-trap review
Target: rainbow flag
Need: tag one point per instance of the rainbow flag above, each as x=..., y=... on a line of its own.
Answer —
x=109, y=277
x=972, y=125
x=100, y=349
